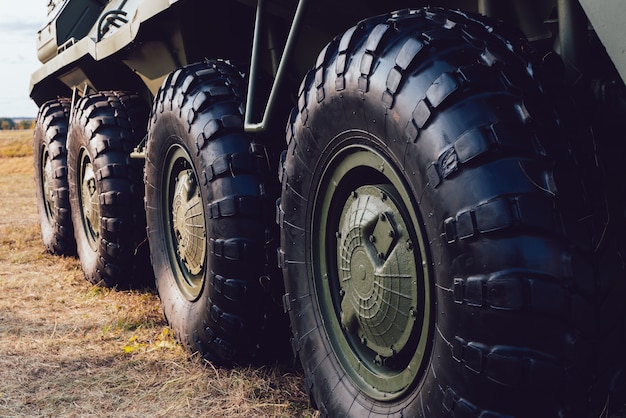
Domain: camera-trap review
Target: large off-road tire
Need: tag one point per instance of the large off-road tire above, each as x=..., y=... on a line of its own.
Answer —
x=52, y=190
x=210, y=218
x=106, y=189
x=437, y=243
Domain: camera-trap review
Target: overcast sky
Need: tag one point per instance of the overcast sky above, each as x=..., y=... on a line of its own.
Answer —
x=19, y=22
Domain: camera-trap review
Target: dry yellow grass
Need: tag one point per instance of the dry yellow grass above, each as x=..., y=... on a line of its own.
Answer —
x=16, y=143
x=71, y=349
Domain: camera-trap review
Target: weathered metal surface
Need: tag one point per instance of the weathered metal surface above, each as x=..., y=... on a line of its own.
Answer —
x=607, y=18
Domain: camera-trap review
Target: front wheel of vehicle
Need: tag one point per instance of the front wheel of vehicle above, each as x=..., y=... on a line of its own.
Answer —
x=435, y=257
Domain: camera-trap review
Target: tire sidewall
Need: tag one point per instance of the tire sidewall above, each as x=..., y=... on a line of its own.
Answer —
x=41, y=146
x=77, y=142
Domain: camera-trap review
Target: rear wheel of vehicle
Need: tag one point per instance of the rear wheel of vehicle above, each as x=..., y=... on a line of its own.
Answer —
x=210, y=217
x=436, y=256
x=106, y=189
x=50, y=161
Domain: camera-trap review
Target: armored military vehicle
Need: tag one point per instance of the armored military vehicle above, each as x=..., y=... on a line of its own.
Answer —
x=441, y=221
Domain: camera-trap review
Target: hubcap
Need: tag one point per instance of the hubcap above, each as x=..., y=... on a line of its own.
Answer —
x=371, y=272
x=185, y=222
x=188, y=221
x=47, y=181
x=377, y=272
x=90, y=207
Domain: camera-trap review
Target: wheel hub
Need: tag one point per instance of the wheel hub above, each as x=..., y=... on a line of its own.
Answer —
x=47, y=180
x=376, y=272
x=188, y=222
x=89, y=202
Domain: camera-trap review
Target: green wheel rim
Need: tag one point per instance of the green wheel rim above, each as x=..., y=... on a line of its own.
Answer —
x=185, y=230
x=371, y=271
x=47, y=180
x=89, y=199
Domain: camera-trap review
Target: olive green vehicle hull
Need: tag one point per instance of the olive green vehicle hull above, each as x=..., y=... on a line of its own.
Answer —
x=132, y=45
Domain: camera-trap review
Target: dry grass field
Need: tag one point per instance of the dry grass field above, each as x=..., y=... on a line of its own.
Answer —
x=68, y=348
x=71, y=349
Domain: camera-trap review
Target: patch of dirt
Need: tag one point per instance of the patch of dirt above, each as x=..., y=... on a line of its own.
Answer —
x=68, y=348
